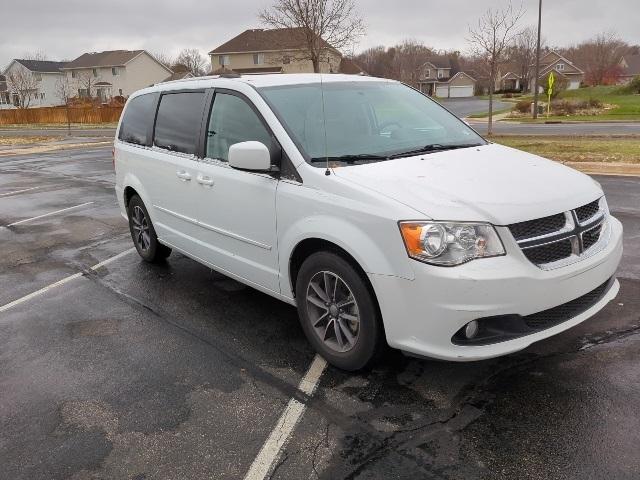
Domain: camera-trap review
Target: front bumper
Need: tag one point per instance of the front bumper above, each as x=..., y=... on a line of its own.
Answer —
x=422, y=315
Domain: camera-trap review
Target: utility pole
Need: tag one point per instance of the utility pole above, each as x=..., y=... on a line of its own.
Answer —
x=535, y=82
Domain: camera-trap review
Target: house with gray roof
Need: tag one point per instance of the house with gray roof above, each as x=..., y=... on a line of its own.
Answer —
x=114, y=73
x=629, y=68
x=30, y=83
x=439, y=78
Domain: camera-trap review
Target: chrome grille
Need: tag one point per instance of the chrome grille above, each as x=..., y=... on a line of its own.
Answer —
x=538, y=227
x=557, y=240
x=587, y=211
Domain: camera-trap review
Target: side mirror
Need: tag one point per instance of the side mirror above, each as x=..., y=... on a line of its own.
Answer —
x=253, y=156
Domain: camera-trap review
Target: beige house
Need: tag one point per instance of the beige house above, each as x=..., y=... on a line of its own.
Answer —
x=560, y=66
x=114, y=73
x=629, y=68
x=274, y=51
x=438, y=79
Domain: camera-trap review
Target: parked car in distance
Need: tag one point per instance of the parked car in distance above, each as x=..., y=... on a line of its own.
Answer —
x=382, y=217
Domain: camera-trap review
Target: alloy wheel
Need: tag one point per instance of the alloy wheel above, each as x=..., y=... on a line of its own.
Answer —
x=140, y=226
x=333, y=311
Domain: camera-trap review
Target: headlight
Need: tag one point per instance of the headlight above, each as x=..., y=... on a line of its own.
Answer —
x=450, y=243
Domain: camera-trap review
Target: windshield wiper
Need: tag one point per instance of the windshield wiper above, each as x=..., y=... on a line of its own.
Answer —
x=350, y=158
x=434, y=147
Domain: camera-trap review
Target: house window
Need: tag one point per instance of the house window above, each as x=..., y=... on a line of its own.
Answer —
x=83, y=92
x=440, y=73
x=120, y=91
x=560, y=67
x=258, y=58
x=73, y=74
x=224, y=60
x=42, y=96
x=428, y=74
x=38, y=76
x=286, y=60
x=115, y=71
x=95, y=72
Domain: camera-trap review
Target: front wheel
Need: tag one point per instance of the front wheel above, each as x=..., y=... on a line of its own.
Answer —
x=143, y=234
x=338, y=312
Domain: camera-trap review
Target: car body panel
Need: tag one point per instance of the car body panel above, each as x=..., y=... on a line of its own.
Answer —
x=262, y=219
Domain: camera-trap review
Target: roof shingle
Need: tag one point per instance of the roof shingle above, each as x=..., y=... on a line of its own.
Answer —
x=41, y=66
x=633, y=62
x=110, y=58
x=259, y=40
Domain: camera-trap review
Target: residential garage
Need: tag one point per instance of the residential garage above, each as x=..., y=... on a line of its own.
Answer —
x=459, y=86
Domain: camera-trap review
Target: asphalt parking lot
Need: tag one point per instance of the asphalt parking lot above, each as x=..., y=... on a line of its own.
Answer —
x=116, y=369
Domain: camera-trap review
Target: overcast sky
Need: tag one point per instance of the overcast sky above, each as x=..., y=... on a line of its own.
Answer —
x=64, y=29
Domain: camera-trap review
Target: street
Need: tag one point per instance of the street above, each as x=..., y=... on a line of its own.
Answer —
x=120, y=369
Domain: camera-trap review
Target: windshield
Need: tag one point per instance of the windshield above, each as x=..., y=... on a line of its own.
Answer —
x=365, y=121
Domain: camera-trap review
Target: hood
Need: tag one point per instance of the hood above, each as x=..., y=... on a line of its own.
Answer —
x=490, y=183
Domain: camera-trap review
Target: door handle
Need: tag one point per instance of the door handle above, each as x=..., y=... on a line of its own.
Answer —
x=205, y=180
x=183, y=175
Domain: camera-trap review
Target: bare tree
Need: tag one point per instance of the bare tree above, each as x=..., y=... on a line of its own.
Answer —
x=496, y=29
x=64, y=91
x=599, y=57
x=409, y=60
x=22, y=85
x=193, y=60
x=86, y=81
x=320, y=24
x=37, y=55
x=523, y=53
x=163, y=58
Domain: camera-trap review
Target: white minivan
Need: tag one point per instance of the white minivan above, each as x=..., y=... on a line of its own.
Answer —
x=376, y=212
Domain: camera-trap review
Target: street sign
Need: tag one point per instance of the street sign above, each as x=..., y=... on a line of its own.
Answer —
x=550, y=82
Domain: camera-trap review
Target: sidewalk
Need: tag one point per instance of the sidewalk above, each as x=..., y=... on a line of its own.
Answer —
x=49, y=145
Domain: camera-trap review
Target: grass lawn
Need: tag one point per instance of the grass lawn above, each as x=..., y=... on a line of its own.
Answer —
x=577, y=149
x=30, y=140
x=627, y=107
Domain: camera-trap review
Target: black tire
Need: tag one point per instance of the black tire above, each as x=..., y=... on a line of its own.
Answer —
x=369, y=337
x=145, y=240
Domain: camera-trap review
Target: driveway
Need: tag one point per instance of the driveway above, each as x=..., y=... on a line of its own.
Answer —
x=114, y=368
x=463, y=107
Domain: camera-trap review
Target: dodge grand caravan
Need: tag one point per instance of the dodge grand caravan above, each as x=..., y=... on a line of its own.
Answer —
x=378, y=214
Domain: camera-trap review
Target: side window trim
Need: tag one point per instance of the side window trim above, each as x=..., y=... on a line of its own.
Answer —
x=155, y=116
x=274, y=141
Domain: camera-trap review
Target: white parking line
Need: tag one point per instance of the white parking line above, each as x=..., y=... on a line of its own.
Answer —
x=64, y=281
x=49, y=214
x=18, y=191
x=281, y=433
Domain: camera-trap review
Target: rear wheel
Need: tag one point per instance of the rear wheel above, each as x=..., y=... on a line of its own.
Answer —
x=338, y=312
x=143, y=234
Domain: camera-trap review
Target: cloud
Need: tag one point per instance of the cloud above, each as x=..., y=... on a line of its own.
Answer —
x=65, y=29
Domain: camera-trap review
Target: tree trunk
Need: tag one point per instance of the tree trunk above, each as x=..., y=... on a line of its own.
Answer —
x=68, y=121
x=316, y=64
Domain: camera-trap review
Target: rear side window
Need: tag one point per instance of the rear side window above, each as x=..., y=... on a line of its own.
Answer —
x=137, y=120
x=178, y=121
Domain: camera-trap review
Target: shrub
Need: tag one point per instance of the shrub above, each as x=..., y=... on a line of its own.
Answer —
x=523, y=106
x=507, y=95
x=564, y=107
x=595, y=103
x=632, y=88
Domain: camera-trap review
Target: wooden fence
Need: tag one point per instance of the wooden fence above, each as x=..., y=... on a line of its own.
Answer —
x=59, y=115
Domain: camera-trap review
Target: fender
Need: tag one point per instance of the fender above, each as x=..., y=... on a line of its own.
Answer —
x=131, y=180
x=374, y=255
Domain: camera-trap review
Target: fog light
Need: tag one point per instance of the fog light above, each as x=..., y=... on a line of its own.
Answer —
x=471, y=330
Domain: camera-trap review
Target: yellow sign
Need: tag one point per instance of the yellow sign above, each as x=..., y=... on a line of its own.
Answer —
x=551, y=80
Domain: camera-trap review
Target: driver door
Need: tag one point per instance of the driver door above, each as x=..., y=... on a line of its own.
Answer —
x=236, y=209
